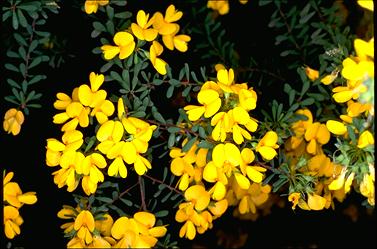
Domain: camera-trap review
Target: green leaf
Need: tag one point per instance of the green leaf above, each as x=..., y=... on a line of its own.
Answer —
x=308, y=101
x=159, y=117
x=15, y=20
x=23, y=69
x=110, y=27
x=104, y=199
x=292, y=95
x=127, y=202
x=161, y=213
x=34, y=105
x=33, y=45
x=174, y=82
x=12, y=54
x=16, y=94
x=20, y=39
x=37, y=78
x=110, y=12
x=166, y=197
x=21, y=18
x=106, y=67
x=24, y=86
x=11, y=67
x=205, y=144
x=13, y=83
x=35, y=62
x=99, y=26
x=11, y=99
x=186, y=91
x=169, y=92
x=6, y=15
x=123, y=15
x=173, y=129
x=116, y=76
x=22, y=52
x=171, y=140
x=189, y=144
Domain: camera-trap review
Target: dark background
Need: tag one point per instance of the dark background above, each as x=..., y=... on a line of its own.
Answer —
x=25, y=153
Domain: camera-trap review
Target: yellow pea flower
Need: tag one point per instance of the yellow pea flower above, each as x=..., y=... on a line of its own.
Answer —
x=140, y=131
x=226, y=156
x=13, y=119
x=255, y=173
x=364, y=49
x=178, y=42
x=92, y=96
x=142, y=29
x=159, y=64
x=164, y=24
x=336, y=127
x=225, y=79
x=222, y=7
x=210, y=101
x=311, y=73
x=125, y=46
x=316, y=202
x=85, y=225
x=12, y=221
x=91, y=6
x=294, y=198
x=267, y=145
x=247, y=99
x=301, y=126
x=63, y=100
x=338, y=183
x=90, y=169
x=328, y=79
x=141, y=165
x=366, y=4
x=316, y=134
x=188, y=230
x=12, y=193
x=356, y=71
x=222, y=122
x=198, y=196
x=70, y=161
x=366, y=138
x=104, y=226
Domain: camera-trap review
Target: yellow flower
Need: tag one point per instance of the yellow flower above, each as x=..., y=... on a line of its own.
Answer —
x=104, y=226
x=221, y=6
x=336, y=127
x=311, y=73
x=92, y=96
x=142, y=29
x=78, y=114
x=12, y=193
x=300, y=126
x=364, y=49
x=140, y=131
x=91, y=6
x=316, y=202
x=222, y=123
x=164, y=24
x=210, y=101
x=316, y=134
x=241, y=116
x=328, y=79
x=90, y=169
x=13, y=119
x=84, y=225
x=225, y=79
x=188, y=230
x=366, y=138
x=267, y=145
x=159, y=64
x=353, y=70
x=366, y=4
x=12, y=222
x=69, y=162
x=367, y=185
x=294, y=198
x=198, y=196
x=125, y=46
x=253, y=172
x=63, y=100
x=338, y=183
x=247, y=99
x=173, y=40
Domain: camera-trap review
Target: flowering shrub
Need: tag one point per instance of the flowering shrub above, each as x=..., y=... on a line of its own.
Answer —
x=228, y=143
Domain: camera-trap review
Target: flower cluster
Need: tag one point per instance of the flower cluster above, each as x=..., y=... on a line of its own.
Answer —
x=123, y=139
x=13, y=119
x=13, y=200
x=228, y=169
x=222, y=7
x=149, y=29
x=91, y=230
x=91, y=6
x=353, y=163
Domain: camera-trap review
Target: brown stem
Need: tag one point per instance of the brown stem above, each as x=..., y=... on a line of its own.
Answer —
x=142, y=194
x=161, y=182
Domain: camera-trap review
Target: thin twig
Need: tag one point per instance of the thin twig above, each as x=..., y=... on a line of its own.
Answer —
x=161, y=182
x=142, y=194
